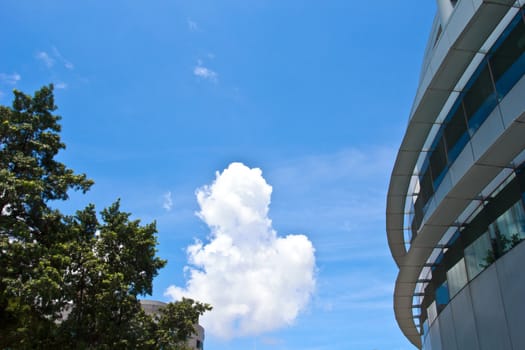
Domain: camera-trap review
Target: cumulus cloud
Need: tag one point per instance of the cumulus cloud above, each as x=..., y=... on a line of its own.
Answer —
x=204, y=73
x=10, y=79
x=256, y=280
x=167, y=203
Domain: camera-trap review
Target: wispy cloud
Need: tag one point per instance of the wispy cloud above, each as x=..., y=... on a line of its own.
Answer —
x=359, y=288
x=45, y=58
x=167, y=202
x=255, y=280
x=67, y=64
x=9, y=79
x=192, y=25
x=205, y=73
x=60, y=85
x=349, y=187
x=50, y=59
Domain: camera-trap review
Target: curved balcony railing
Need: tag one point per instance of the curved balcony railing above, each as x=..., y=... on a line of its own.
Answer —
x=502, y=67
x=496, y=227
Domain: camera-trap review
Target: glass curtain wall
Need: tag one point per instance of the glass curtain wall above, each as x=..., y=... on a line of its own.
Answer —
x=500, y=70
x=497, y=227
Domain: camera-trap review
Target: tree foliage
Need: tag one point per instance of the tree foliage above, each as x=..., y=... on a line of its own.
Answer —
x=71, y=280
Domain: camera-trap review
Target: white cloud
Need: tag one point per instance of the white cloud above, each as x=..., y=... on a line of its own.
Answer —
x=60, y=85
x=45, y=58
x=334, y=195
x=204, y=73
x=49, y=59
x=10, y=79
x=67, y=64
x=255, y=280
x=167, y=203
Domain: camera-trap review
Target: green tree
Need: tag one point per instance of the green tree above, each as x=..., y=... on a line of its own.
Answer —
x=71, y=281
x=177, y=321
x=31, y=261
x=110, y=267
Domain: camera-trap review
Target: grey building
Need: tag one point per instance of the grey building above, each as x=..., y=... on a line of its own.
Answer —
x=455, y=207
x=196, y=341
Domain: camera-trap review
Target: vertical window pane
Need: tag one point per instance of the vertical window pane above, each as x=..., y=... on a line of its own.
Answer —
x=478, y=255
x=456, y=135
x=520, y=173
x=509, y=228
x=425, y=327
x=438, y=162
x=508, y=61
x=442, y=296
x=432, y=312
x=418, y=217
x=426, y=190
x=480, y=99
x=457, y=277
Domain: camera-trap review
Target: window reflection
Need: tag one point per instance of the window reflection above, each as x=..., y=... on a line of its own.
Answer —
x=508, y=229
x=455, y=133
x=480, y=98
x=457, y=277
x=494, y=229
x=508, y=61
x=476, y=255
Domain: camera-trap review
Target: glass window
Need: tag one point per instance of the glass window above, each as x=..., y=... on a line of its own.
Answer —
x=478, y=255
x=520, y=174
x=418, y=216
x=509, y=228
x=442, y=296
x=480, y=99
x=426, y=190
x=424, y=327
x=438, y=162
x=432, y=312
x=455, y=134
x=507, y=61
x=457, y=277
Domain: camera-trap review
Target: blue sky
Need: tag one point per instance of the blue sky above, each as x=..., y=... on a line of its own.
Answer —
x=158, y=96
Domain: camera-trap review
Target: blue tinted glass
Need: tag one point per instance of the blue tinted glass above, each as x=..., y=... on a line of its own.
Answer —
x=426, y=190
x=454, y=238
x=511, y=76
x=455, y=150
x=438, y=160
x=482, y=112
x=515, y=21
x=455, y=130
x=439, y=259
x=425, y=327
x=442, y=296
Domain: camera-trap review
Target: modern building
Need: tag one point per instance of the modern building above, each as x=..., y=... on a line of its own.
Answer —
x=455, y=206
x=196, y=341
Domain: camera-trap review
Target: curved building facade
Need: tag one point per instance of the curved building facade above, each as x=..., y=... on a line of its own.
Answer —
x=456, y=201
x=153, y=307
